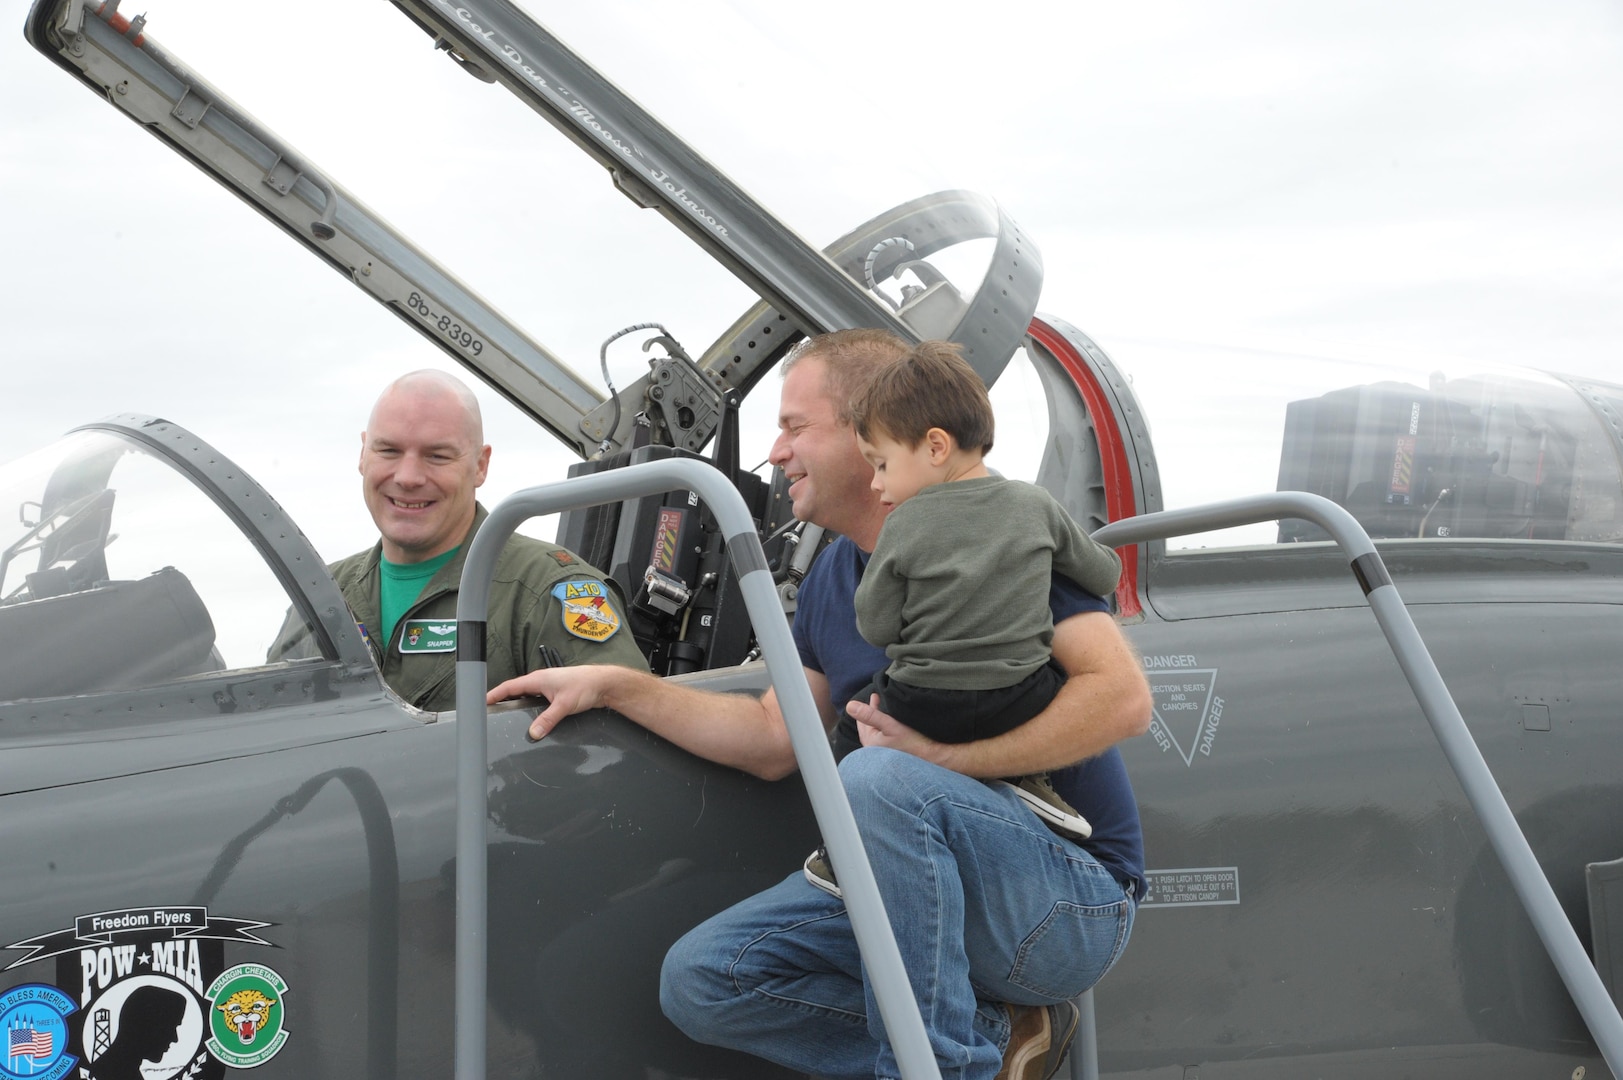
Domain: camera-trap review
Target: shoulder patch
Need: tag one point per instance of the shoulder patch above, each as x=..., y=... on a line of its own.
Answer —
x=563, y=558
x=587, y=612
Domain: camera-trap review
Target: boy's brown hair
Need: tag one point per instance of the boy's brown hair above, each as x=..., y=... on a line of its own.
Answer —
x=933, y=386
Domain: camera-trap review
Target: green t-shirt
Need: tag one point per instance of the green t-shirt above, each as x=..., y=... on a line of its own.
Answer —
x=402, y=584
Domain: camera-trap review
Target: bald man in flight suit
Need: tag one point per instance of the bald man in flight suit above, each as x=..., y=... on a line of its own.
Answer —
x=423, y=455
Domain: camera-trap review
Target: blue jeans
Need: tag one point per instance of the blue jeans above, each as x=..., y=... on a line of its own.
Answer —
x=987, y=904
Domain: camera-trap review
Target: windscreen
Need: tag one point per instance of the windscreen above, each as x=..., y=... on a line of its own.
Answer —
x=117, y=572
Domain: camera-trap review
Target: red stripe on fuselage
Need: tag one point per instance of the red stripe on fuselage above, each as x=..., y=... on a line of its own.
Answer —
x=1113, y=455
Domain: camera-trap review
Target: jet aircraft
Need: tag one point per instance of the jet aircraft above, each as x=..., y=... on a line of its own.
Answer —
x=267, y=849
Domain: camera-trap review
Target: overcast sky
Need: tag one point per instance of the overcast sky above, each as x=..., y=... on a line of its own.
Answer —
x=1222, y=192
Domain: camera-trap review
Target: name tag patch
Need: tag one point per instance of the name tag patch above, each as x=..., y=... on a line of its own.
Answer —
x=428, y=636
x=587, y=612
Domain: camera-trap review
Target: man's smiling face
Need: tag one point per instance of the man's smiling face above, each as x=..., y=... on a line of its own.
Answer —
x=421, y=461
x=828, y=480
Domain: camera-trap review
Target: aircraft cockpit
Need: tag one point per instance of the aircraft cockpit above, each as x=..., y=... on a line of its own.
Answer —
x=1491, y=456
x=1417, y=447
x=121, y=570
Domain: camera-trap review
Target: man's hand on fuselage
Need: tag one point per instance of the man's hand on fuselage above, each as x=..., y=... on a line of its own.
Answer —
x=567, y=690
x=1104, y=700
x=730, y=729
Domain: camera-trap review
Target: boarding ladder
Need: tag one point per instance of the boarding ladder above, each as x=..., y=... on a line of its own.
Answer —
x=1533, y=889
x=875, y=939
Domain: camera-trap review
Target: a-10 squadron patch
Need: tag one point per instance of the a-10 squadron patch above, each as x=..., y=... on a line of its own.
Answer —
x=587, y=612
x=153, y=998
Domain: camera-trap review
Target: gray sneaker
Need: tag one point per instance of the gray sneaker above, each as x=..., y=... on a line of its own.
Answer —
x=820, y=872
x=1038, y=793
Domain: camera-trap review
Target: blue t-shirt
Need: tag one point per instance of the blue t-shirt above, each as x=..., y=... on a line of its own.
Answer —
x=825, y=630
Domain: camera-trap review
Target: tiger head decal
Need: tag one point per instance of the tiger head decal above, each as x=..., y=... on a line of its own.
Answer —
x=247, y=1011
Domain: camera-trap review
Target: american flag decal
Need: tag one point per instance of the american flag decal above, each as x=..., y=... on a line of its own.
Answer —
x=26, y=1042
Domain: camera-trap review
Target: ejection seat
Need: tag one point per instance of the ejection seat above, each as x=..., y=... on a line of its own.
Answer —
x=117, y=635
x=666, y=553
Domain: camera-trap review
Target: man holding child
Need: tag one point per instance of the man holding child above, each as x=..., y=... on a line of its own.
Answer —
x=1000, y=919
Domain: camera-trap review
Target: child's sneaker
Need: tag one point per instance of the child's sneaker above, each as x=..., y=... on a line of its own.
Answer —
x=820, y=872
x=1038, y=793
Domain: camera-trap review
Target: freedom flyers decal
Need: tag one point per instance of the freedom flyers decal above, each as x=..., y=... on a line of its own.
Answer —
x=150, y=998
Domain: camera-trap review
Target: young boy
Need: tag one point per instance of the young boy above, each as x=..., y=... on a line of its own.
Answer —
x=956, y=589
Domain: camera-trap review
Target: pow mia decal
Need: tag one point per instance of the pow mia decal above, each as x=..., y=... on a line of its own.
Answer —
x=587, y=612
x=145, y=983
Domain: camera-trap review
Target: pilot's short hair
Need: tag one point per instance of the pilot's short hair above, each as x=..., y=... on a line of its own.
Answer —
x=850, y=357
x=933, y=386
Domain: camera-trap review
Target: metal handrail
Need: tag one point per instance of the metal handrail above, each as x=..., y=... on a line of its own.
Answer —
x=880, y=956
x=1532, y=887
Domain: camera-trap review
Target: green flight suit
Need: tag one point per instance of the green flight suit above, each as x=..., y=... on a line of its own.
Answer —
x=524, y=615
